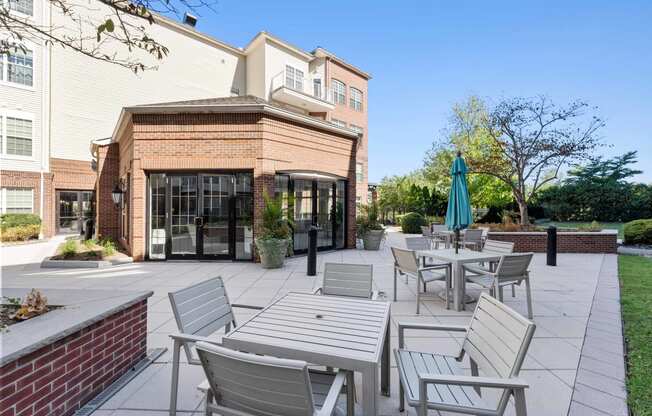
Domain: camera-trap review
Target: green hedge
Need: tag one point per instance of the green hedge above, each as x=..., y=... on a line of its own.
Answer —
x=17, y=220
x=19, y=227
x=411, y=223
x=638, y=232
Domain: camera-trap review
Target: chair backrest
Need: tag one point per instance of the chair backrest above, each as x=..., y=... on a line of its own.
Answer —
x=202, y=309
x=348, y=280
x=417, y=243
x=513, y=265
x=426, y=231
x=249, y=384
x=498, y=247
x=406, y=260
x=497, y=340
x=473, y=236
x=439, y=227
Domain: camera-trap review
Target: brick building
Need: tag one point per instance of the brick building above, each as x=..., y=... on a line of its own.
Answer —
x=53, y=125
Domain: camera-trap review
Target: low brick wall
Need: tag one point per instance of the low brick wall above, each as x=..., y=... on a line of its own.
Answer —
x=61, y=377
x=567, y=242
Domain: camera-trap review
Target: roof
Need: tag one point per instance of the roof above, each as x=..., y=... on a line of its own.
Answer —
x=321, y=52
x=239, y=104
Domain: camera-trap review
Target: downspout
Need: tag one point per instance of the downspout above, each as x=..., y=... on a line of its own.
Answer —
x=46, y=119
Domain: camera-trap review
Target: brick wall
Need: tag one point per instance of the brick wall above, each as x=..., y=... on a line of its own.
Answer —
x=258, y=143
x=567, y=242
x=32, y=180
x=60, y=378
x=107, y=214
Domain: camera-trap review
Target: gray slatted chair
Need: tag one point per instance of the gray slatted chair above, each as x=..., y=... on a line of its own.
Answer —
x=496, y=342
x=353, y=280
x=407, y=263
x=200, y=310
x=243, y=384
x=438, y=236
x=472, y=239
x=422, y=244
x=511, y=270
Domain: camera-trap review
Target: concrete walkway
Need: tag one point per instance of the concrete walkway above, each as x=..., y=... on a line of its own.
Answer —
x=26, y=254
x=564, y=310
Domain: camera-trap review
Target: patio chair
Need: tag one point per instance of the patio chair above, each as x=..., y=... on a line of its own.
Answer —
x=472, y=239
x=407, y=263
x=496, y=342
x=512, y=270
x=353, y=280
x=421, y=244
x=200, y=310
x=243, y=384
x=438, y=236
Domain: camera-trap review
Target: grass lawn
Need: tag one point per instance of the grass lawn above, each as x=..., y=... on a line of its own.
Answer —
x=605, y=225
x=636, y=297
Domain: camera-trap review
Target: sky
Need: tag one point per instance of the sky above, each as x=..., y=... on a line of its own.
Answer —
x=426, y=56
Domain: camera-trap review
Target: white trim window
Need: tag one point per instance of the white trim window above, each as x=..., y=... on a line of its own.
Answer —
x=339, y=91
x=25, y=7
x=293, y=78
x=355, y=99
x=338, y=123
x=17, y=67
x=359, y=172
x=17, y=201
x=16, y=136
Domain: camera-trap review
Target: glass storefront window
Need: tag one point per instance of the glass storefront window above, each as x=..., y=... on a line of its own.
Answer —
x=340, y=218
x=157, y=223
x=244, y=215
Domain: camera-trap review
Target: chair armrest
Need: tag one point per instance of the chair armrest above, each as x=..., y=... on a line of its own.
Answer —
x=435, y=267
x=477, y=270
x=489, y=382
x=238, y=305
x=376, y=295
x=328, y=408
x=430, y=327
x=187, y=338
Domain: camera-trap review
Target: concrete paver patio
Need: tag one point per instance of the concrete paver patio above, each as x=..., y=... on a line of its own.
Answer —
x=563, y=297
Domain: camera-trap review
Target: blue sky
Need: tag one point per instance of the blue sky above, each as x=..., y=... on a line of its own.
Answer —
x=425, y=56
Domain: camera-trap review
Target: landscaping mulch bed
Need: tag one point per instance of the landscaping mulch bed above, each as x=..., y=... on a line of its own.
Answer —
x=87, y=251
x=7, y=310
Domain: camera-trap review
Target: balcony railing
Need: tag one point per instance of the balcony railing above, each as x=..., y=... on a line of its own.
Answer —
x=303, y=85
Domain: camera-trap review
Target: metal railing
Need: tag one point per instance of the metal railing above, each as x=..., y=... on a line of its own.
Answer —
x=303, y=85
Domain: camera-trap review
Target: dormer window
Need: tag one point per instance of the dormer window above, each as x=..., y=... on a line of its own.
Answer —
x=293, y=78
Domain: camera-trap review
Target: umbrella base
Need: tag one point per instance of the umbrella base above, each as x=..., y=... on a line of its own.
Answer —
x=467, y=298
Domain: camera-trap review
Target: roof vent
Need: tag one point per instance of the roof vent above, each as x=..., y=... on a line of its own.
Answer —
x=189, y=19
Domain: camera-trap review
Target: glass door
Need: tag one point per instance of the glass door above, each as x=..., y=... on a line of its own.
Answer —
x=183, y=213
x=325, y=214
x=74, y=208
x=217, y=191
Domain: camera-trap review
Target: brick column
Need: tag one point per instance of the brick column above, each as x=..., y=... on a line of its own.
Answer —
x=137, y=213
x=107, y=214
x=263, y=183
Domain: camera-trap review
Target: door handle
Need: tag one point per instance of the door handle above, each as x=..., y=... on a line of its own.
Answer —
x=199, y=221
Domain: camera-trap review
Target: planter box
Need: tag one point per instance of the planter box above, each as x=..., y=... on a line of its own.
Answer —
x=48, y=263
x=56, y=362
x=605, y=241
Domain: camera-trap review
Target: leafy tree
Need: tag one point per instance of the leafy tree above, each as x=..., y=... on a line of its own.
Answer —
x=114, y=31
x=531, y=139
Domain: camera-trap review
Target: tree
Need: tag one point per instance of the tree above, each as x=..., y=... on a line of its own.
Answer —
x=466, y=133
x=114, y=31
x=531, y=140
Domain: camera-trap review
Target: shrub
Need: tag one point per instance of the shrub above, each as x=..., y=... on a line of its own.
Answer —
x=368, y=219
x=21, y=233
x=412, y=222
x=18, y=220
x=275, y=223
x=593, y=226
x=638, y=232
x=108, y=247
x=69, y=248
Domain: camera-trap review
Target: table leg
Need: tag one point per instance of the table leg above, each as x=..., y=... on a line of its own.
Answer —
x=370, y=391
x=458, y=282
x=385, y=363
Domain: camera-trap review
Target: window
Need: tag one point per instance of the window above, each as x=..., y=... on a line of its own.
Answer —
x=316, y=86
x=17, y=140
x=17, y=200
x=20, y=6
x=359, y=172
x=18, y=67
x=339, y=92
x=293, y=78
x=339, y=123
x=356, y=99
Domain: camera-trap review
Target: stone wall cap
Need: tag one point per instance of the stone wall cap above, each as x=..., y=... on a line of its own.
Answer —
x=81, y=308
x=603, y=232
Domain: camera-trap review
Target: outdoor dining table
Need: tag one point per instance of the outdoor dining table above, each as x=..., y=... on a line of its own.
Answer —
x=457, y=260
x=333, y=331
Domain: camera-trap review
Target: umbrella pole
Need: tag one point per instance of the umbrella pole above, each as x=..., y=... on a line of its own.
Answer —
x=457, y=240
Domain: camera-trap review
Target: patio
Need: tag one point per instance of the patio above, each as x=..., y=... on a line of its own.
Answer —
x=563, y=296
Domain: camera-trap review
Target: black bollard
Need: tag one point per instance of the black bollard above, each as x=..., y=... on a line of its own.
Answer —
x=89, y=228
x=312, y=251
x=551, y=247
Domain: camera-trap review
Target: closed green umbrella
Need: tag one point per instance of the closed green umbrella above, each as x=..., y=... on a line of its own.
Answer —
x=458, y=214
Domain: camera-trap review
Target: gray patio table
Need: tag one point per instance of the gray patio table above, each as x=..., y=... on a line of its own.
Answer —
x=457, y=260
x=351, y=334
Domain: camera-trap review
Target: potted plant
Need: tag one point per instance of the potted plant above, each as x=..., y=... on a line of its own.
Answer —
x=369, y=229
x=275, y=234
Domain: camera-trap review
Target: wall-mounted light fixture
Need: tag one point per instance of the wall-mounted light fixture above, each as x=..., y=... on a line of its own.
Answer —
x=116, y=195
